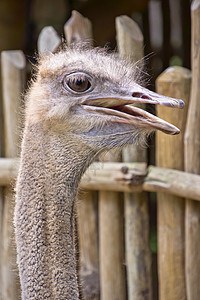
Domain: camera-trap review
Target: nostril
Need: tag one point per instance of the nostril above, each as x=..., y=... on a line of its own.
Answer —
x=140, y=95
x=137, y=95
x=145, y=97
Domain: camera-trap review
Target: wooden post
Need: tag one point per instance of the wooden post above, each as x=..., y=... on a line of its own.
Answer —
x=13, y=79
x=111, y=237
x=174, y=82
x=112, y=270
x=48, y=40
x=130, y=41
x=111, y=240
x=1, y=191
x=192, y=164
x=76, y=29
x=12, y=31
x=138, y=256
x=1, y=240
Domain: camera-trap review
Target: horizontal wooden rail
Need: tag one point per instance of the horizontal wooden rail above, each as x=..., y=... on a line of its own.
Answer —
x=123, y=177
x=112, y=176
x=175, y=182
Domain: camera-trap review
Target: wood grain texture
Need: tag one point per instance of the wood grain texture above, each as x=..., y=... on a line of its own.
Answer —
x=112, y=271
x=173, y=182
x=13, y=79
x=88, y=243
x=192, y=163
x=174, y=82
x=123, y=177
x=138, y=256
x=130, y=40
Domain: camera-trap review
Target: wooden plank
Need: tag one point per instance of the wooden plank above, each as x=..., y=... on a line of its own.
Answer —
x=100, y=176
x=8, y=170
x=1, y=239
x=13, y=79
x=112, y=271
x=123, y=177
x=88, y=243
x=48, y=40
x=173, y=182
x=192, y=163
x=77, y=29
x=137, y=251
x=111, y=239
x=117, y=177
x=129, y=38
x=171, y=209
x=1, y=189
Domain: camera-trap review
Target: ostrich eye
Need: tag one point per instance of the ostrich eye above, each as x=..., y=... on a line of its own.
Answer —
x=77, y=82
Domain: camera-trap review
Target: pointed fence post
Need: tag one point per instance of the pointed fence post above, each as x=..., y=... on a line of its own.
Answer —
x=174, y=82
x=76, y=29
x=13, y=67
x=137, y=251
x=192, y=164
x=48, y=40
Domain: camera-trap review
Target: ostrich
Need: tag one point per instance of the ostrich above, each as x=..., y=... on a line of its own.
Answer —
x=78, y=105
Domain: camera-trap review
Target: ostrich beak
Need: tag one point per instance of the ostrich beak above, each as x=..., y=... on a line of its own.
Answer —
x=121, y=108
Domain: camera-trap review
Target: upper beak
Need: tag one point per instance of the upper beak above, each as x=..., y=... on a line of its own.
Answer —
x=119, y=106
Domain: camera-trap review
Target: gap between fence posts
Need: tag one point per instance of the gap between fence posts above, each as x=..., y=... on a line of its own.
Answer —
x=174, y=82
x=192, y=164
x=76, y=29
x=13, y=67
x=137, y=250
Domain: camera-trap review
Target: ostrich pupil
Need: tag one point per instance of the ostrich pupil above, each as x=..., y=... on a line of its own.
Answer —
x=79, y=85
x=79, y=82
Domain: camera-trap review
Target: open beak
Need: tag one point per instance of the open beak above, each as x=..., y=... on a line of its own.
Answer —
x=121, y=109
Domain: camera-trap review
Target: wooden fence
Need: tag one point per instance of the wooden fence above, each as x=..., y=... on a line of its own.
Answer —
x=115, y=257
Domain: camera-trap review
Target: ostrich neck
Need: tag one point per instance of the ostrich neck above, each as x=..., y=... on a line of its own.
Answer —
x=45, y=195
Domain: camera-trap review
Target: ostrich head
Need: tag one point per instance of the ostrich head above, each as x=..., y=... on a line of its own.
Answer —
x=91, y=95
